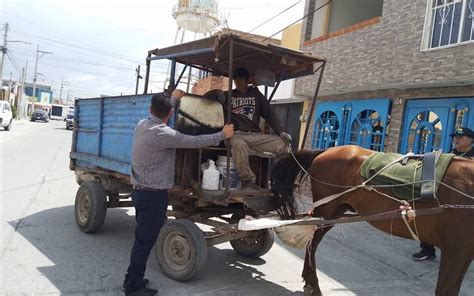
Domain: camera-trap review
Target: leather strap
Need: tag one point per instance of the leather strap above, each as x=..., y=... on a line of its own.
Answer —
x=428, y=175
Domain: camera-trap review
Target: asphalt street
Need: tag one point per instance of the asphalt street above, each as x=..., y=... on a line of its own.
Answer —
x=44, y=253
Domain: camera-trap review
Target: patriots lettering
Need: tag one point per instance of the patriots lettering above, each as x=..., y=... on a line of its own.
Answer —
x=244, y=106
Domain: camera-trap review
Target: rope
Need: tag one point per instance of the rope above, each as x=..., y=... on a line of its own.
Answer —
x=363, y=185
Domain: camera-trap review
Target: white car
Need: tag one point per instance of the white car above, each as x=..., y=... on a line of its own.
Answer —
x=6, y=115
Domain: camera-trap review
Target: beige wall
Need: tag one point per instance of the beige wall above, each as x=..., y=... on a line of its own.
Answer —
x=291, y=37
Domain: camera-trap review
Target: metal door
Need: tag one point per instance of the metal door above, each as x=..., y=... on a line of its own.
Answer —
x=369, y=122
x=288, y=115
x=429, y=122
x=357, y=122
x=330, y=123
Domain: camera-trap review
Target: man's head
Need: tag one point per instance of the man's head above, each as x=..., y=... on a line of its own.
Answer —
x=463, y=139
x=241, y=79
x=161, y=106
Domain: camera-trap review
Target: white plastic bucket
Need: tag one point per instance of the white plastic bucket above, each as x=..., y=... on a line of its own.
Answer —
x=222, y=168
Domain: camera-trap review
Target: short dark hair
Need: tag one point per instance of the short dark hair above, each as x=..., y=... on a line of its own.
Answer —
x=161, y=105
x=241, y=73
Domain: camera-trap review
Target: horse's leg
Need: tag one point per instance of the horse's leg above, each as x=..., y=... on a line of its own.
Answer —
x=309, y=275
x=453, y=267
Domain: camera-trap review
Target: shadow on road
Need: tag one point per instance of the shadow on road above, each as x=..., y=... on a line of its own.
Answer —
x=79, y=262
x=364, y=260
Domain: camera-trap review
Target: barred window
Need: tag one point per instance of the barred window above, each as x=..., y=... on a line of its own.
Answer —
x=449, y=22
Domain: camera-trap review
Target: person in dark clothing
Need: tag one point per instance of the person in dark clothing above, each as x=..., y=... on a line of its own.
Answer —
x=248, y=105
x=462, y=142
x=153, y=162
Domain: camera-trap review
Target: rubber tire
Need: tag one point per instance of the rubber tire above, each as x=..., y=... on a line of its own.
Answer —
x=98, y=206
x=9, y=126
x=198, y=249
x=255, y=251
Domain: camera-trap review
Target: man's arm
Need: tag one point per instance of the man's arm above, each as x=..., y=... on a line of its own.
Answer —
x=174, y=139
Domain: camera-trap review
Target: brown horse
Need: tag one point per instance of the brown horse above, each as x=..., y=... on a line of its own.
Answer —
x=450, y=230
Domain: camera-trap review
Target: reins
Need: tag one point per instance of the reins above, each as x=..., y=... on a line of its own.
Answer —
x=407, y=213
x=372, y=187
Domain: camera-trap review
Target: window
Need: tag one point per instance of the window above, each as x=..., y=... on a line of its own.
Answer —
x=448, y=22
x=7, y=107
x=340, y=14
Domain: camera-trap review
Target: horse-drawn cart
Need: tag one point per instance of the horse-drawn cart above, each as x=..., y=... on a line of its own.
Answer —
x=101, y=156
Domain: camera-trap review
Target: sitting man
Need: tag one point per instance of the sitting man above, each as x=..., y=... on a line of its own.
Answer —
x=248, y=105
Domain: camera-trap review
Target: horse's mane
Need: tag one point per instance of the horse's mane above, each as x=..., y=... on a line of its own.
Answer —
x=284, y=175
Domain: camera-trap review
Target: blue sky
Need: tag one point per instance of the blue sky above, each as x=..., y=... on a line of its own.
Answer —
x=97, y=44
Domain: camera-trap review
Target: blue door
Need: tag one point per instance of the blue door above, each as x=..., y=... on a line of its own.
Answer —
x=368, y=123
x=428, y=123
x=358, y=122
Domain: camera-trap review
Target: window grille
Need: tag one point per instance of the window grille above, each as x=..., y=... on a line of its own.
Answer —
x=451, y=22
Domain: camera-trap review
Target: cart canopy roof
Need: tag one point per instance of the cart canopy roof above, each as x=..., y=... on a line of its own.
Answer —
x=212, y=54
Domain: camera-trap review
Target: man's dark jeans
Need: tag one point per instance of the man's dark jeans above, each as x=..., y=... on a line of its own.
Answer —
x=150, y=207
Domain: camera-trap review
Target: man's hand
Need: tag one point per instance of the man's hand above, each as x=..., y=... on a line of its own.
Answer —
x=177, y=93
x=286, y=137
x=228, y=131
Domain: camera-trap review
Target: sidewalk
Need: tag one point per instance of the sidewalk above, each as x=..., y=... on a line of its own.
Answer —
x=20, y=122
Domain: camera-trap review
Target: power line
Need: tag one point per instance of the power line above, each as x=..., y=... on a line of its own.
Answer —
x=71, y=68
x=25, y=52
x=76, y=50
x=273, y=17
x=13, y=62
x=329, y=1
x=115, y=55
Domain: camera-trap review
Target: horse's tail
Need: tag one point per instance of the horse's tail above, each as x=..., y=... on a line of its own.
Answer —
x=284, y=175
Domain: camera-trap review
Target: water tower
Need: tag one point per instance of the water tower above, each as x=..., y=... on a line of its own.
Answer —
x=200, y=17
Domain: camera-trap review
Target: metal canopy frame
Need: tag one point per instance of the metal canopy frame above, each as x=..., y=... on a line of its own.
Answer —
x=217, y=54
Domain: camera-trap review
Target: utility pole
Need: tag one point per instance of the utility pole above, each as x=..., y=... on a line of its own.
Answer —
x=20, y=111
x=137, y=71
x=63, y=83
x=4, y=52
x=67, y=98
x=11, y=75
x=38, y=56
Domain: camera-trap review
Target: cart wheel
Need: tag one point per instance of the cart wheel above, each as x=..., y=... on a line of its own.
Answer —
x=90, y=206
x=181, y=249
x=255, y=245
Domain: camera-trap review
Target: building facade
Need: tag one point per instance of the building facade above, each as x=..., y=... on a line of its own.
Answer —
x=399, y=74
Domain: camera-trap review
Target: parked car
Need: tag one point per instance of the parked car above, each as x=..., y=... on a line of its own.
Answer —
x=40, y=115
x=70, y=120
x=6, y=115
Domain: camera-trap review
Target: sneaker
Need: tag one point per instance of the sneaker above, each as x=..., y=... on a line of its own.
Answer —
x=420, y=256
x=142, y=292
x=144, y=281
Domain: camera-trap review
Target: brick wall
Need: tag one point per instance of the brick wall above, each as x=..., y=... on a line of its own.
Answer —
x=209, y=83
x=382, y=58
x=385, y=53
